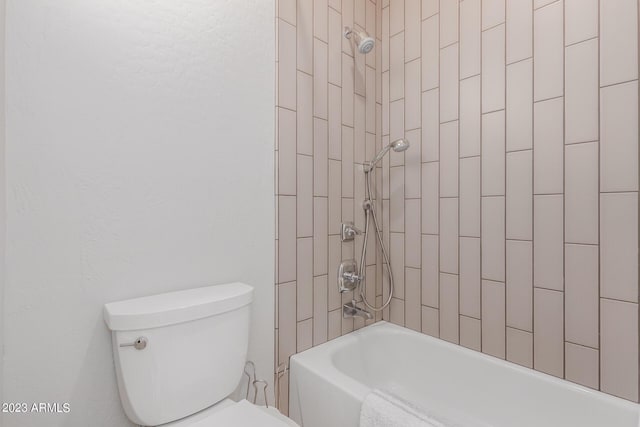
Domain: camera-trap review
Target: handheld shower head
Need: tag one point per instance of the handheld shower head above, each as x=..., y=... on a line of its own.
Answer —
x=364, y=43
x=399, y=145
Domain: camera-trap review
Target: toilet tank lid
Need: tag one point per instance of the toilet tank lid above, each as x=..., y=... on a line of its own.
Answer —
x=176, y=307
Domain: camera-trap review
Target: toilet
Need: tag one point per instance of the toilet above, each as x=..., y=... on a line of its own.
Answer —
x=180, y=355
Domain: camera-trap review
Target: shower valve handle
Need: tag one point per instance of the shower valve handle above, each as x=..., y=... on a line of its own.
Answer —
x=349, y=232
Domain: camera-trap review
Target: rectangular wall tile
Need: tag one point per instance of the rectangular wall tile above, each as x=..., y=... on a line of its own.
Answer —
x=520, y=105
x=449, y=159
x=320, y=11
x=320, y=235
x=493, y=69
x=412, y=307
x=334, y=51
x=304, y=278
x=520, y=347
x=582, y=294
x=581, y=193
x=493, y=13
x=286, y=65
x=430, y=125
x=304, y=335
x=430, y=53
x=519, y=30
x=286, y=152
x=286, y=239
x=430, y=271
x=449, y=235
x=449, y=83
x=335, y=122
x=320, y=79
x=548, y=51
x=493, y=157
x=412, y=22
x=396, y=67
x=348, y=88
x=548, y=147
x=548, y=242
x=619, y=137
x=470, y=276
x=470, y=196
x=493, y=239
x=493, y=318
x=470, y=332
x=396, y=188
x=287, y=328
x=320, y=310
x=469, y=38
x=304, y=114
x=412, y=235
x=305, y=196
x=582, y=365
x=581, y=92
x=304, y=36
x=520, y=284
x=449, y=329
x=412, y=169
x=548, y=336
x=619, y=246
x=580, y=21
x=430, y=198
x=619, y=348
x=448, y=22
x=320, y=159
x=430, y=321
x=548, y=332
x=413, y=96
x=519, y=195
x=396, y=257
x=470, y=117
x=335, y=202
x=618, y=41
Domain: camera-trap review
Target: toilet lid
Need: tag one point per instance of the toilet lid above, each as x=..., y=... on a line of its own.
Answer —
x=242, y=414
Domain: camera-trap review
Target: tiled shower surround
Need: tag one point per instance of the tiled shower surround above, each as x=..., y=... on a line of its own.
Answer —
x=512, y=220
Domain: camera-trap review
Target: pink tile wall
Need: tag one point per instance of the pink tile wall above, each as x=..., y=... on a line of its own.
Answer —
x=512, y=221
x=522, y=178
x=328, y=112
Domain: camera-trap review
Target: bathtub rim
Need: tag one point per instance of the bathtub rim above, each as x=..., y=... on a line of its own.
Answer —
x=319, y=361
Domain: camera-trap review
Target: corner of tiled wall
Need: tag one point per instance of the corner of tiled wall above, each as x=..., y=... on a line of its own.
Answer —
x=329, y=106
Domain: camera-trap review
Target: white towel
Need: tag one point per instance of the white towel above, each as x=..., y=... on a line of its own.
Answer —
x=381, y=409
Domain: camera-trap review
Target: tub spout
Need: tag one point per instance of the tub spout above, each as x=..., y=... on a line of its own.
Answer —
x=352, y=310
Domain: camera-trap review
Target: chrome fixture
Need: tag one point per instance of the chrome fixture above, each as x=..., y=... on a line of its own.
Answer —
x=349, y=232
x=348, y=278
x=351, y=309
x=398, y=146
x=363, y=42
x=139, y=344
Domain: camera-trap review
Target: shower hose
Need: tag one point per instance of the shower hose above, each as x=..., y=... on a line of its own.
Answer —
x=370, y=213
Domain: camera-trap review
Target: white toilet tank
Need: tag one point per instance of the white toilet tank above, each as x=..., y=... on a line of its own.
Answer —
x=180, y=352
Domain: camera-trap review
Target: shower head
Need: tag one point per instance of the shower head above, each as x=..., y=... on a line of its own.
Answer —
x=399, y=145
x=364, y=43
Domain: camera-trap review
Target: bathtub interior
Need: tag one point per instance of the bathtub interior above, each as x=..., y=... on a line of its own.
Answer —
x=463, y=386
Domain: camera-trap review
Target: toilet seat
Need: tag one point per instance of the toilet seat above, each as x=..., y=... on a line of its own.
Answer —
x=232, y=414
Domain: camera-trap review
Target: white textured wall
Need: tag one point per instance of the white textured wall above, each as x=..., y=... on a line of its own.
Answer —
x=140, y=160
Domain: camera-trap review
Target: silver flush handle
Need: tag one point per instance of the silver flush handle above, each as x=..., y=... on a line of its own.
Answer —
x=139, y=344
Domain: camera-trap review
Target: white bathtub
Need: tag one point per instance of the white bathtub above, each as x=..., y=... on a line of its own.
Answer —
x=328, y=384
